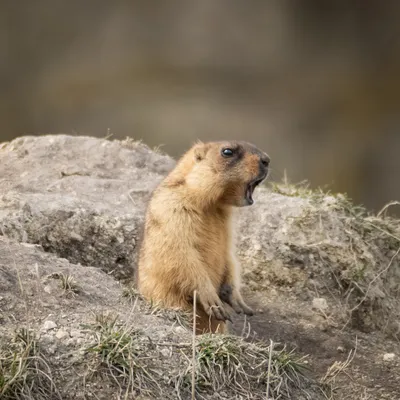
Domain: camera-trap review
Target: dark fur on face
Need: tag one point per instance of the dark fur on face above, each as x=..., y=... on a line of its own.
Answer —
x=244, y=167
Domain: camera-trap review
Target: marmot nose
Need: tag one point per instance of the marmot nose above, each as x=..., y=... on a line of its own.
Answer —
x=265, y=160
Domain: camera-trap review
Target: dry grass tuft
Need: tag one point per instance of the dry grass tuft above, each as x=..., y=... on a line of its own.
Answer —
x=131, y=294
x=357, y=251
x=136, y=365
x=176, y=316
x=69, y=284
x=337, y=368
x=131, y=143
x=226, y=362
x=301, y=189
x=179, y=316
x=328, y=381
x=118, y=353
x=24, y=371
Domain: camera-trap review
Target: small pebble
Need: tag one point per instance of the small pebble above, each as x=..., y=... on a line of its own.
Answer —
x=47, y=289
x=76, y=333
x=319, y=303
x=179, y=329
x=51, y=349
x=166, y=352
x=48, y=325
x=340, y=349
x=389, y=356
x=62, y=334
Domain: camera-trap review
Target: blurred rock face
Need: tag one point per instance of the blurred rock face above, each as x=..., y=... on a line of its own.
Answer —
x=316, y=85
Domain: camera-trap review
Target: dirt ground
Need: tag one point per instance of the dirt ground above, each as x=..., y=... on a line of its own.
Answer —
x=322, y=275
x=368, y=376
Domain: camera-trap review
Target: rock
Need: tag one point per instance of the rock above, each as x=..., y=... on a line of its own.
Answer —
x=76, y=333
x=166, y=352
x=49, y=325
x=62, y=334
x=51, y=349
x=82, y=201
x=48, y=289
x=71, y=342
x=179, y=329
x=320, y=304
x=340, y=349
x=47, y=339
x=389, y=357
x=79, y=197
x=37, y=246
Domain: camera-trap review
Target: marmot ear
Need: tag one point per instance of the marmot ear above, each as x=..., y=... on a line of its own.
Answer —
x=200, y=150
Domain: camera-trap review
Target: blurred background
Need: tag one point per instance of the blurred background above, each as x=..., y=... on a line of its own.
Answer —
x=314, y=83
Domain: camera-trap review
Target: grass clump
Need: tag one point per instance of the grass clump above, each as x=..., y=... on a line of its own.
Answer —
x=356, y=254
x=24, y=371
x=228, y=363
x=131, y=143
x=177, y=316
x=69, y=284
x=137, y=365
x=301, y=189
x=118, y=352
x=131, y=294
x=285, y=188
x=366, y=272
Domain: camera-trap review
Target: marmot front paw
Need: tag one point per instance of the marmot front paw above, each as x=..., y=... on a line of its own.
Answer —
x=232, y=297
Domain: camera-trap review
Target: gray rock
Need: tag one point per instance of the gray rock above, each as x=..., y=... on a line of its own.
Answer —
x=79, y=197
x=166, y=352
x=74, y=333
x=80, y=204
x=49, y=325
x=320, y=304
x=389, y=357
x=62, y=334
x=48, y=289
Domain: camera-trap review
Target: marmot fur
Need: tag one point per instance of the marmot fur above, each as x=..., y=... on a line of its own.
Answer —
x=188, y=237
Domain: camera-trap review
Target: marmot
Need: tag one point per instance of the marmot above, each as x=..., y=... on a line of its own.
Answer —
x=188, y=243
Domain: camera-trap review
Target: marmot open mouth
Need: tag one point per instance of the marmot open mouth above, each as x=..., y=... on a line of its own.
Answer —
x=250, y=189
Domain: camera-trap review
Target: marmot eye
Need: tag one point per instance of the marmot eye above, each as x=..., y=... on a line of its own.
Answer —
x=227, y=152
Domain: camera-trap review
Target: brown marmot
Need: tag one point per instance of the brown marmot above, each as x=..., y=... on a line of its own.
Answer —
x=188, y=243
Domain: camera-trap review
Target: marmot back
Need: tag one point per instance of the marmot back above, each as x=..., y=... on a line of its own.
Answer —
x=188, y=242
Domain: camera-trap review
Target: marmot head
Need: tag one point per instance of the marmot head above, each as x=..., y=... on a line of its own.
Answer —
x=231, y=170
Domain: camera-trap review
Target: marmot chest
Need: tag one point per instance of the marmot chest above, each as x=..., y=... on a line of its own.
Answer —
x=212, y=242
